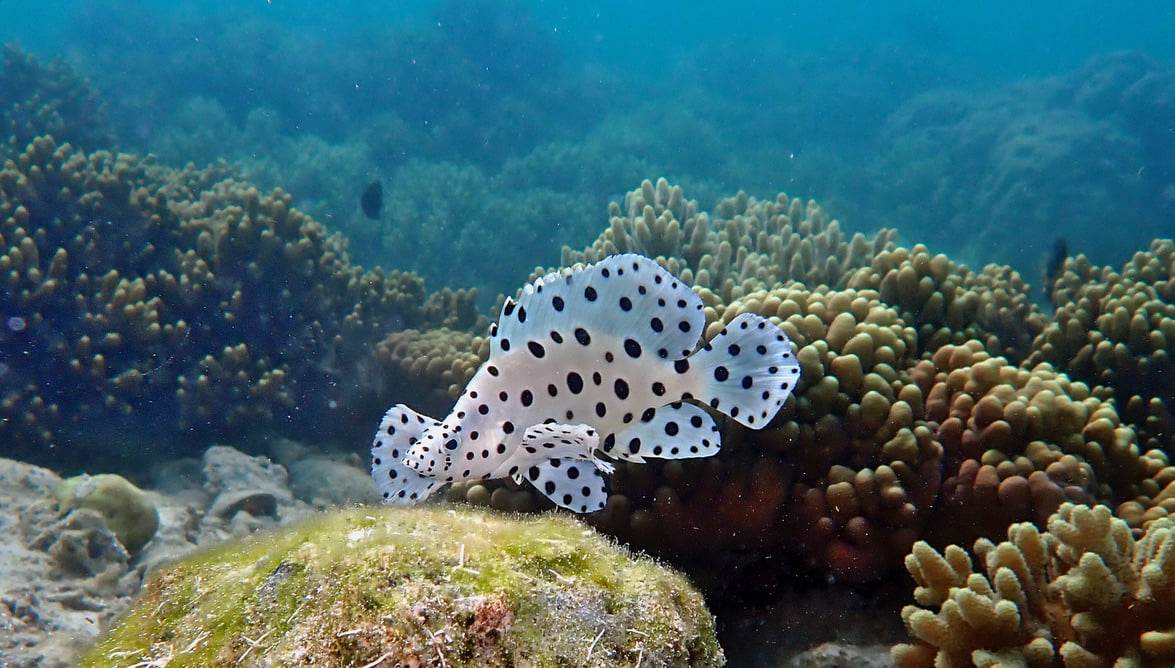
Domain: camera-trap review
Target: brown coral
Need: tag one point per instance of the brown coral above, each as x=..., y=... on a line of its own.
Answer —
x=1019, y=442
x=136, y=290
x=908, y=422
x=1086, y=593
x=441, y=360
x=950, y=304
x=750, y=245
x=47, y=98
x=1117, y=329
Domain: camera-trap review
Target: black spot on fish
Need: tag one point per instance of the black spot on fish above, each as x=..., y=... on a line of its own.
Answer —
x=372, y=200
x=582, y=336
x=632, y=348
x=621, y=388
x=574, y=382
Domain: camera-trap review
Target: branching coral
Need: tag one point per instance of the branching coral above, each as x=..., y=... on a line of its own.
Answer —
x=948, y=303
x=1086, y=593
x=135, y=291
x=439, y=359
x=750, y=245
x=1020, y=441
x=47, y=98
x=1117, y=329
x=908, y=422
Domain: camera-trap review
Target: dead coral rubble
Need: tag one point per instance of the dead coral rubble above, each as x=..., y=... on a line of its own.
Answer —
x=134, y=290
x=1085, y=593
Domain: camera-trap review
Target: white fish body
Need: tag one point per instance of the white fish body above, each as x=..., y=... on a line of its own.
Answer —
x=590, y=361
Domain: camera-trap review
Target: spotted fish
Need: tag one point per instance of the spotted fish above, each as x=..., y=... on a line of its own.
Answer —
x=591, y=365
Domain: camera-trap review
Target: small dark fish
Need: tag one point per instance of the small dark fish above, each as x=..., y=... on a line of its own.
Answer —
x=1054, y=265
x=372, y=200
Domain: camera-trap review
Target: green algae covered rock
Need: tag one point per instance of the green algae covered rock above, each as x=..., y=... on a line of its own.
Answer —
x=431, y=586
x=128, y=511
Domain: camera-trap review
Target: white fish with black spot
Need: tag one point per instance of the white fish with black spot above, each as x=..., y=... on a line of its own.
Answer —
x=591, y=364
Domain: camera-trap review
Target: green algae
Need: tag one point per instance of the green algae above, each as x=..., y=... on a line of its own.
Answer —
x=426, y=586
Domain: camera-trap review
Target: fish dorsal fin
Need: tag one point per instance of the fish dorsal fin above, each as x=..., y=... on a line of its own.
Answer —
x=577, y=485
x=675, y=431
x=628, y=298
x=400, y=429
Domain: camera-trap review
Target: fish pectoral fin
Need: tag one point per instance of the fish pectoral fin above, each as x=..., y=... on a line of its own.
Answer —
x=575, y=484
x=574, y=441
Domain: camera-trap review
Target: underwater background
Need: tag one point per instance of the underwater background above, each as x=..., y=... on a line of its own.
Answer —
x=232, y=234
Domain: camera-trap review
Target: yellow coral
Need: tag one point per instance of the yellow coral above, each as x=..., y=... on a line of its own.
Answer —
x=1086, y=584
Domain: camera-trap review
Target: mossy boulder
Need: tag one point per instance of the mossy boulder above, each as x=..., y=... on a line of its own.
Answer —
x=429, y=586
x=129, y=512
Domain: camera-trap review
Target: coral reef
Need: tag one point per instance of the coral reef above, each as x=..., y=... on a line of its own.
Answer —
x=1117, y=329
x=970, y=171
x=1085, y=593
x=47, y=99
x=912, y=419
x=442, y=359
x=750, y=245
x=134, y=290
x=428, y=587
x=948, y=303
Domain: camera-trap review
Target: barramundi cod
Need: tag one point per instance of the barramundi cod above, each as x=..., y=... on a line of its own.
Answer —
x=591, y=365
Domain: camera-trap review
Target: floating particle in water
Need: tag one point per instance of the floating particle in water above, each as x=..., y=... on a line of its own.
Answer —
x=332, y=404
x=17, y=323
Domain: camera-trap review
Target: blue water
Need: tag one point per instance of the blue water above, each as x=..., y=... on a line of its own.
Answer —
x=818, y=99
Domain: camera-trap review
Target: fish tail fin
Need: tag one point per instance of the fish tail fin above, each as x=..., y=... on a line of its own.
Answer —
x=747, y=371
x=400, y=428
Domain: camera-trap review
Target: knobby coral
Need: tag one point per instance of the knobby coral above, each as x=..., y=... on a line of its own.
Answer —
x=1085, y=593
x=1117, y=329
x=912, y=419
x=135, y=292
x=47, y=98
x=750, y=245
